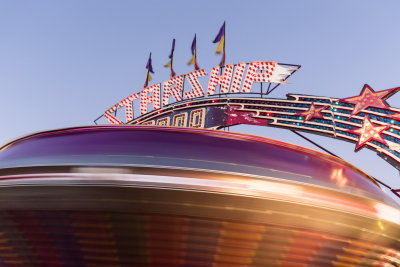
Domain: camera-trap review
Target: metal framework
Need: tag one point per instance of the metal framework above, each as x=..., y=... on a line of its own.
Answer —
x=336, y=122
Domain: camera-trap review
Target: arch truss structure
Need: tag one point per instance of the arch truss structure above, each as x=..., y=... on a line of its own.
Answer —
x=365, y=120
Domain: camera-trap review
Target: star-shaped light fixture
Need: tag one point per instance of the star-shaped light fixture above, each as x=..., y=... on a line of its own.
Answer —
x=312, y=112
x=368, y=132
x=370, y=98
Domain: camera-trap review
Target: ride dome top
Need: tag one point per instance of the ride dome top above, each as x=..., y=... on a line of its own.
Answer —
x=198, y=150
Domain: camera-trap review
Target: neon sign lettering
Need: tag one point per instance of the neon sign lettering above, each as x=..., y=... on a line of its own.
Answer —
x=231, y=79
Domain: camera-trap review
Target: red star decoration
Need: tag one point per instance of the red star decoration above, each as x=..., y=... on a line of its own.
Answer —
x=370, y=98
x=368, y=132
x=312, y=112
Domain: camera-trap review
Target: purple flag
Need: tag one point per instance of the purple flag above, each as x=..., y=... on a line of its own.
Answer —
x=193, y=60
x=149, y=66
x=194, y=45
x=173, y=49
x=220, y=34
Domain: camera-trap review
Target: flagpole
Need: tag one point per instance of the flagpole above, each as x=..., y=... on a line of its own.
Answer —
x=172, y=58
x=172, y=61
x=147, y=77
x=196, y=66
x=223, y=52
x=195, y=53
x=223, y=48
x=193, y=59
x=195, y=56
x=224, y=42
x=147, y=74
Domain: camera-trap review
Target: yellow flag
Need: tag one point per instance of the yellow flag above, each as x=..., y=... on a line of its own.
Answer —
x=220, y=45
x=168, y=65
x=149, y=78
x=192, y=60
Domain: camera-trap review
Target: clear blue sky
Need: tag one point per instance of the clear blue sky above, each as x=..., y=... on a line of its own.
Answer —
x=62, y=63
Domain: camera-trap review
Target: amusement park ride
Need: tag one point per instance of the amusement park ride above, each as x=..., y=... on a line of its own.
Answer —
x=366, y=120
x=167, y=188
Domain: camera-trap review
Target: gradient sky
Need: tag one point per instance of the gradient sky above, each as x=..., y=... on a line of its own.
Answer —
x=62, y=63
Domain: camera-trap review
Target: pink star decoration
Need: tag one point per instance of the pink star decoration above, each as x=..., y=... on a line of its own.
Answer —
x=369, y=98
x=368, y=132
x=312, y=112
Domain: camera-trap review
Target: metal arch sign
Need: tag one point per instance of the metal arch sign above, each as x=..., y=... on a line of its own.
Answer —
x=365, y=120
x=373, y=127
x=231, y=79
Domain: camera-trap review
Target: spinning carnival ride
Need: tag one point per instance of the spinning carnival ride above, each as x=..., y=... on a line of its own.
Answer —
x=144, y=194
x=153, y=196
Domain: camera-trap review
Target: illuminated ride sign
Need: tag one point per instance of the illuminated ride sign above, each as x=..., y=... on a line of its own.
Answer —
x=231, y=79
x=366, y=120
